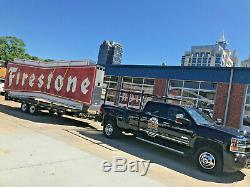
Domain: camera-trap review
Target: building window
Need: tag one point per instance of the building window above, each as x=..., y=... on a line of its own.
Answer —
x=191, y=84
x=198, y=93
x=207, y=54
x=130, y=84
x=246, y=114
x=109, y=82
x=218, y=55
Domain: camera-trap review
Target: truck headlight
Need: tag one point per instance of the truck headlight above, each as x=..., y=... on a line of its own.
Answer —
x=238, y=145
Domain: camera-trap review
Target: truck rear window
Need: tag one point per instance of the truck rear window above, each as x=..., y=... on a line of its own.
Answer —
x=155, y=108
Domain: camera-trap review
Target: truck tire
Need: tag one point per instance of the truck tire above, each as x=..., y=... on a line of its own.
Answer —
x=209, y=160
x=110, y=129
x=33, y=110
x=24, y=107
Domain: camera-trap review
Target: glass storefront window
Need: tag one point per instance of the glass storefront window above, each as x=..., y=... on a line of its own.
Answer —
x=248, y=99
x=208, y=86
x=191, y=84
x=148, y=89
x=175, y=83
x=246, y=116
x=190, y=93
x=197, y=93
x=136, y=87
x=206, y=104
x=149, y=81
x=207, y=95
x=247, y=110
x=138, y=80
x=188, y=101
x=246, y=121
x=114, y=78
x=127, y=79
x=112, y=85
x=126, y=86
x=175, y=92
x=130, y=84
x=106, y=79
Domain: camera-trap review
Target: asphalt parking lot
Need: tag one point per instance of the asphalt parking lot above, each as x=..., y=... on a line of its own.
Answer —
x=46, y=150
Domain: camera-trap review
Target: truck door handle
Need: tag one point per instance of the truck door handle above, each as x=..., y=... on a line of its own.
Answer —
x=166, y=123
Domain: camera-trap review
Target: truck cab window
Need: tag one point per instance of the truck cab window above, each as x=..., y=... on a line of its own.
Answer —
x=158, y=109
x=173, y=111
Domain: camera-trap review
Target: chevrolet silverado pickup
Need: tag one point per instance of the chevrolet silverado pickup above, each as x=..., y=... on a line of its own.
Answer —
x=184, y=130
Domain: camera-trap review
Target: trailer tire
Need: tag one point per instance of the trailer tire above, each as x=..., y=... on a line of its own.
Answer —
x=110, y=129
x=24, y=107
x=6, y=96
x=51, y=112
x=60, y=114
x=33, y=110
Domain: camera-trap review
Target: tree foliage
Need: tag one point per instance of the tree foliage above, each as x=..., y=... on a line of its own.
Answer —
x=12, y=47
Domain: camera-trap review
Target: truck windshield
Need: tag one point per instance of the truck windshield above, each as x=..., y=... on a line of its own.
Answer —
x=200, y=117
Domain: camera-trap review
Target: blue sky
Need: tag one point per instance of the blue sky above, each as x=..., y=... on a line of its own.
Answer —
x=151, y=31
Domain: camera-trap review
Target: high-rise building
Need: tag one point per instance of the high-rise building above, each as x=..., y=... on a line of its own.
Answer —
x=245, y=63
x=110, y=53
x=210, y=55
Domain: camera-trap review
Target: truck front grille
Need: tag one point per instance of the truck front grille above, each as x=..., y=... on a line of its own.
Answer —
x=248, y=164
x=247, y=150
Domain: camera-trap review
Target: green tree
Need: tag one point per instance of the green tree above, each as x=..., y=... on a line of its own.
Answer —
x=12, y=47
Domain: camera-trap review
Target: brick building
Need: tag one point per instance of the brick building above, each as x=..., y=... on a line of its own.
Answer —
x=223, y=93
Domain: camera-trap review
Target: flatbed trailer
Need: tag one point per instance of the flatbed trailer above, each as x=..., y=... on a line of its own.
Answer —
x=64, y=95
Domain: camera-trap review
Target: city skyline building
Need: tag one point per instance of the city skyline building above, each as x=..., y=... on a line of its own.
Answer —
x=217, y=55
x=245, y=63
x=110, y=53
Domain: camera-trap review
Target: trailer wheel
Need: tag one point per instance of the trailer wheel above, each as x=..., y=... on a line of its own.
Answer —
x=24, y=107
x=33, y=110
x=110, y=129
x=51, y=112
x=6, y=96
x=60, y=113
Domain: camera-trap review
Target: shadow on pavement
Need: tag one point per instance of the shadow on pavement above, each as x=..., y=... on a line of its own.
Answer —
x=129, y=144
x=42, y=117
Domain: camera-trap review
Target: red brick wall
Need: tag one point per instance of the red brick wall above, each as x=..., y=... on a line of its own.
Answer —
x=220, y=101
x=236, y=103
x=159, y=87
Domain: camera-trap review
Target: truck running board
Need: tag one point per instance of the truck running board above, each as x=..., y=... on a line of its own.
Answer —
x=162, y=146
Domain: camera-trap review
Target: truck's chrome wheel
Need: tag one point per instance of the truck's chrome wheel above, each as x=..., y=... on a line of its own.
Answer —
x=207, y=160
x=109, y=129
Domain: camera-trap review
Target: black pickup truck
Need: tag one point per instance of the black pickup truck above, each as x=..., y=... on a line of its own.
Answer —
x=184, y=130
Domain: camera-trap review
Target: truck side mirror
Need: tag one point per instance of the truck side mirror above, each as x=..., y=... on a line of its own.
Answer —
x=181, y=120
x=219, y=121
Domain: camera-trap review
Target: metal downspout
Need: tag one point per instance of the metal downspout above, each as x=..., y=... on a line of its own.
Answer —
x=228, y=96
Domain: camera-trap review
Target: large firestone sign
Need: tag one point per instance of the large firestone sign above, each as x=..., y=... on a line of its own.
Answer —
x=74, y=83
